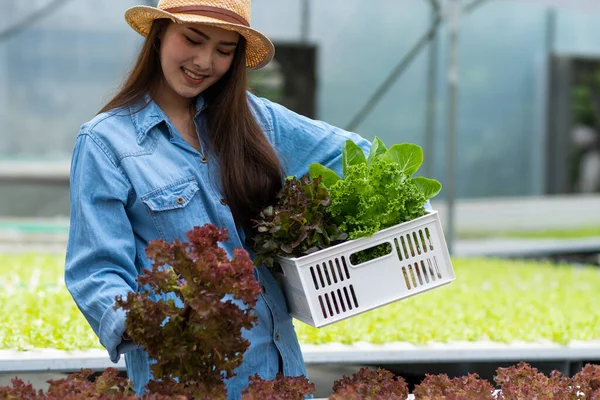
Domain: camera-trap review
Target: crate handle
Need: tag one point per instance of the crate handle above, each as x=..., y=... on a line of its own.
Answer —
x=392, y=252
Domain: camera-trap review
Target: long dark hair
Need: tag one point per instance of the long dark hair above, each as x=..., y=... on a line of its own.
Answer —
x=250, y=171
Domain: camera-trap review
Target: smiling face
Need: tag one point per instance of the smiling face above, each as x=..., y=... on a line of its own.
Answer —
x=193, y=57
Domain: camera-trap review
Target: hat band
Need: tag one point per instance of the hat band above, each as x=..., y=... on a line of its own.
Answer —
x=212, y=12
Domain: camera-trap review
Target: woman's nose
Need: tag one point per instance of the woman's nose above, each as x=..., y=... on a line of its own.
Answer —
x=203, y=59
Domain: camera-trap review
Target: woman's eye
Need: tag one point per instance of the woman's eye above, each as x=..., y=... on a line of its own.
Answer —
x=225, y=53
x=191, y=41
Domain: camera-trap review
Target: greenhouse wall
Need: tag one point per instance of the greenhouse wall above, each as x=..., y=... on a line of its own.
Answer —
x=58, y=72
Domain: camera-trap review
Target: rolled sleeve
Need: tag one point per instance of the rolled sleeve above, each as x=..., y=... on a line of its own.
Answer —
x=302, y=141
x=100, y=259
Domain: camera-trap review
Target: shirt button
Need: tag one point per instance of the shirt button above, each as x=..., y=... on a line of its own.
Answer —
x=223, y=202
x=204, y=159
x=180, y=200
x=276, y=335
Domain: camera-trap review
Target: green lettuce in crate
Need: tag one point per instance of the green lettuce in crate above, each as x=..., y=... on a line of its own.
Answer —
x=379, y=191
x=297, y=225
x=376, y=192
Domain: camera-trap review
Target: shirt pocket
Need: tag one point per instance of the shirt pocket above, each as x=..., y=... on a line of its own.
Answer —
x=176, y=208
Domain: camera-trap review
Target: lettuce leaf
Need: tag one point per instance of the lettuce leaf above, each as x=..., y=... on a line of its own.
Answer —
x=372, y=198
x=298, y=224
x=329, y=176
x=379, y=191
x=408, y=156
x=429, y=187
x=352, y=155
x=377, y=149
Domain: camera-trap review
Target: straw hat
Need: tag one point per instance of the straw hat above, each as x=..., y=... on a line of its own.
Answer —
x=232, y=15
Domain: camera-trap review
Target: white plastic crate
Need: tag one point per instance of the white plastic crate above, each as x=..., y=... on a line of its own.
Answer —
x=326, y=287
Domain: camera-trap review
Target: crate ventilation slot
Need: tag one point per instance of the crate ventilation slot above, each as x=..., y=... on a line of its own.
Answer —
x=338, y=301
x=413, y=244
x=421, y=273
x=330, y=272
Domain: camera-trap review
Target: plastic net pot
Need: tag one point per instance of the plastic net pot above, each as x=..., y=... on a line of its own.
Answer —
x=326, y=286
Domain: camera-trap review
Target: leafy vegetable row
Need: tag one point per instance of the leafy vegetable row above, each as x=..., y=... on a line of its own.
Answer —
x=556, y=303
x=194, y=333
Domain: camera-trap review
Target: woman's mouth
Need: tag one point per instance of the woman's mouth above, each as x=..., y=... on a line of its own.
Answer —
x=192, y=77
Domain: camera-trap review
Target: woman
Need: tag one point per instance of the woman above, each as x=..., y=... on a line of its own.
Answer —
x=183, y=144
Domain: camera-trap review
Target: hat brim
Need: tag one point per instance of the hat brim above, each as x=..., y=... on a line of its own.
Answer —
x=259, y=49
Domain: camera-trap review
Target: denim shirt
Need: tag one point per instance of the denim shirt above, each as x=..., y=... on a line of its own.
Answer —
x=129, y=174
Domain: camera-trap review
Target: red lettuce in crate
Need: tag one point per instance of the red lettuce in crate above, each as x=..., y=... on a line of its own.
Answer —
x=297, y=225
x=441, y=387
x=200, y=344
x=280, y=388
x=525, y=382
x=368, y=384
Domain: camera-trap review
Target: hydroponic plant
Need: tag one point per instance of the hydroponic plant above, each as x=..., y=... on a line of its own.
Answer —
x=368, y=384
x=517, y=382
x=375, y=193
x=441, y=387
x=379, y=191
x=298, y=224
x=196, y=346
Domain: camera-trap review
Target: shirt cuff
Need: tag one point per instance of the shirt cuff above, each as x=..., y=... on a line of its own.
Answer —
x=126, y=346
x=112, y=326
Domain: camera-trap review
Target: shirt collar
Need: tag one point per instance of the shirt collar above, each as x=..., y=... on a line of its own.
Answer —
x=147, y=117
